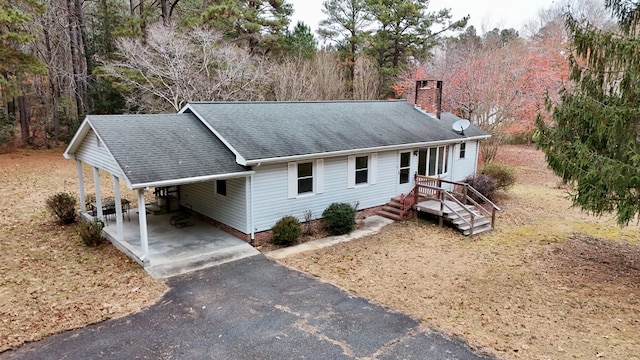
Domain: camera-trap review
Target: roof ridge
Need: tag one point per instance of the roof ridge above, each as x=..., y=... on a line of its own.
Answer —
x=297, y=102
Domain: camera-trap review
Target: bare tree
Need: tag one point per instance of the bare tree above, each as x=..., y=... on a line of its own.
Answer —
x=319, y=78
x=196, y=65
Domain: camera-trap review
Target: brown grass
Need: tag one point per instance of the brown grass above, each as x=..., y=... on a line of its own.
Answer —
x=49, y=281
x=549, y=283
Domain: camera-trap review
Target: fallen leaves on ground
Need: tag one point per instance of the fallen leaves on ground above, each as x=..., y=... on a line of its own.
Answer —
x=550, y=282
x=49, y=281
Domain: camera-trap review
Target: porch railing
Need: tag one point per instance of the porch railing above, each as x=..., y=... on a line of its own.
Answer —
x=428, y=186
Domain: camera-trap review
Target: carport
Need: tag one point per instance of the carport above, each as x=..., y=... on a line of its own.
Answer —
x=173, y=250
x=156, y=151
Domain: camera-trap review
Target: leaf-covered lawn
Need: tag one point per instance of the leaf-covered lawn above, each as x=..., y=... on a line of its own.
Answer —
x=49, y=281
x=549, y=283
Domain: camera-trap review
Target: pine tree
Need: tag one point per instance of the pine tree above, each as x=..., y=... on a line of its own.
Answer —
x=594, y=140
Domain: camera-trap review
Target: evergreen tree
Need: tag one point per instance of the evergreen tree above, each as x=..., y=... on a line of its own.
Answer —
x=257, y=24
x=300, y=41
x=594, y=141
x=346, y=24
x=15, y=63
x=405, y=32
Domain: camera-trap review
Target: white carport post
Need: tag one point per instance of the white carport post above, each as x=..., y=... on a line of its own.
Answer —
x=142, y=213
x=119, y=219
x=83, y=201
x=96, y=183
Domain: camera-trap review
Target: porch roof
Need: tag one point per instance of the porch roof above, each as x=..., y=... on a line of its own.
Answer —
x=160, y=150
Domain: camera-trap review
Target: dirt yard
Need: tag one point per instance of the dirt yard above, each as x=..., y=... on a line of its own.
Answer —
x=49, y=281
x=549, y=283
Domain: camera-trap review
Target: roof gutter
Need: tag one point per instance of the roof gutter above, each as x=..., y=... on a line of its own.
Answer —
x=191, y=180
x=355, y=151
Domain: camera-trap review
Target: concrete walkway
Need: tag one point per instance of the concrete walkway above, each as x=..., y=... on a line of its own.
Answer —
x=371, y=225
x=253, y=308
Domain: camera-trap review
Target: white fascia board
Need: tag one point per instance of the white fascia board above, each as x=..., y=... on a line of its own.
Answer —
x=359, y=151
x=191, y=180
x=83, y=130
x=239, y=158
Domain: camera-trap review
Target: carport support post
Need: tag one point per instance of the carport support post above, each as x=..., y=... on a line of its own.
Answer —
x=83, y=201
x=116, y=193
x=96, y=183
x=142, y=212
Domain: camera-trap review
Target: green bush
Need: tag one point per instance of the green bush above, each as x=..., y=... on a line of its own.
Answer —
x=340, y=218
x=504, y=175
x=485, y=184
x=286, y=231
x=91, y=232
x=63, y=206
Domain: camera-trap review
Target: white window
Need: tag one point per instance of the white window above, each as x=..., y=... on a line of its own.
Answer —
x=362, y=170
x=305, y=177
x=433, y=161
x=405, y=167
x=463, y=150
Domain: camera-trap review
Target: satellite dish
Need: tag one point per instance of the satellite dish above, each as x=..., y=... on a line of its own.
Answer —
x=461, y=125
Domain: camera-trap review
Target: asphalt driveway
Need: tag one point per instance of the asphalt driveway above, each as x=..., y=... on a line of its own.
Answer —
x=252, y=308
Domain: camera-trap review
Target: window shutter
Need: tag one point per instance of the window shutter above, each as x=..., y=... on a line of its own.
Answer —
x=319, y=176
x=373, y=168
x=293, y=180
x=351, y=171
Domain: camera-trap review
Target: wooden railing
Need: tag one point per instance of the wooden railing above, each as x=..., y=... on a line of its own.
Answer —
x=407, y=202
x=428, y=186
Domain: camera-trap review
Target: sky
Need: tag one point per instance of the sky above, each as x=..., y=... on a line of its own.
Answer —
x=485, y=14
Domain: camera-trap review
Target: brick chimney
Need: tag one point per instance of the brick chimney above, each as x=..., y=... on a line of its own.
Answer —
x=429, y=96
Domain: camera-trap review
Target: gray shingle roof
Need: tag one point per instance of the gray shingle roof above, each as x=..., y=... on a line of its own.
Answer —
x=155, y=148
x=263, y=130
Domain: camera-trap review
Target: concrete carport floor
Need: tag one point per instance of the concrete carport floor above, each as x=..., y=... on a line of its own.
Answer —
x=253, y=308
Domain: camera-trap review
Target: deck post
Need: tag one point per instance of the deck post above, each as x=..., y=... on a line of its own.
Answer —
x=83, y=198
x=142, y=215
x=96, y=184
x=118, y=204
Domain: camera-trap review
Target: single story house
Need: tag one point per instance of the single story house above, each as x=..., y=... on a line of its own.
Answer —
x=245, y=165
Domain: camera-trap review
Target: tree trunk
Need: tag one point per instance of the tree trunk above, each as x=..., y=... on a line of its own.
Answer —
x=76, y=57
x=23, y=108
x=53, y=92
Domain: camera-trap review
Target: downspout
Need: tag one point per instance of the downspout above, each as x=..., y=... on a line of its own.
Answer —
x=253, y=233
x=475, y=164
x=251, y=210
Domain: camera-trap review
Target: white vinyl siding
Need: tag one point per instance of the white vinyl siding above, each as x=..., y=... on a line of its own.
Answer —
x=91, y=153
x=461, y=168
x=229, y=209
x=272, y=200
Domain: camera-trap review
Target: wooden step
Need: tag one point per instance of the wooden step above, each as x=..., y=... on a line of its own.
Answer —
x=392, y=209
x=478, y=230
x=477, y=223
x=390, y=215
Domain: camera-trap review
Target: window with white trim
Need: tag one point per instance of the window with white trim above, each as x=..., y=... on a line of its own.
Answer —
x=433, y=161
x=405, y=167
x=305, y=178
x=362, y=169
x=463, y=150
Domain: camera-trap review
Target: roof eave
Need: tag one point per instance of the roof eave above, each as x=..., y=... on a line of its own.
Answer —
x=191, y=180
x=364, y=150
